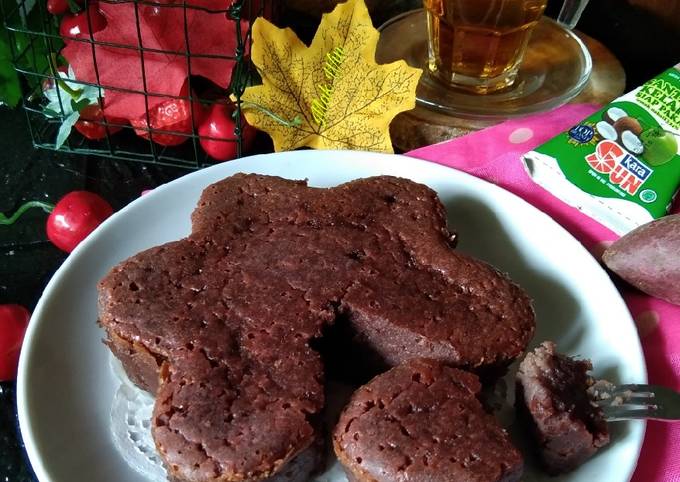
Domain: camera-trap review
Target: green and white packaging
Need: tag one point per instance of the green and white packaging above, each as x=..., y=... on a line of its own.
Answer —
x=621, y=165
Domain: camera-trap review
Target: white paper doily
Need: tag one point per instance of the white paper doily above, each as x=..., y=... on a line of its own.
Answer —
x=131, y=427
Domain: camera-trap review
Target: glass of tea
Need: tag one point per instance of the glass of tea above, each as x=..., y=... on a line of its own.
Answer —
x=478, y=45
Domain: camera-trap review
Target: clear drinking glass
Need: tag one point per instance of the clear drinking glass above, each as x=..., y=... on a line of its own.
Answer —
x=478, y=45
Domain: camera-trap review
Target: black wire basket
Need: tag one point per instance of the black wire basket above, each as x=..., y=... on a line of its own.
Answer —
x=44, y=38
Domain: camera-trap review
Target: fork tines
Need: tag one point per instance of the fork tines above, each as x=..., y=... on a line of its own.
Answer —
x=625, y=402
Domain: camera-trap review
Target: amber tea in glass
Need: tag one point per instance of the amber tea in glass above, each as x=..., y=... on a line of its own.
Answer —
x=478, y=45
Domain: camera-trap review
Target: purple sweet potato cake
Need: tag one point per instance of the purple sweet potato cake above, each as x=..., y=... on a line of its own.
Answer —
x=220, y=325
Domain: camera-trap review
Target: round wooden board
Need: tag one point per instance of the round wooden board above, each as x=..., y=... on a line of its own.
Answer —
x=422, y=127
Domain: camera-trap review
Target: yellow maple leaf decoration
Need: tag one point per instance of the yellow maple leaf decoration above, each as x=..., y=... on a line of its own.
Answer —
x=339, y=96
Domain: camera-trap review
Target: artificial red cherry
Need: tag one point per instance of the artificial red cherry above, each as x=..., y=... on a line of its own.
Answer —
x=76, y=25
x=13, y=323
x=58, y=7
x=173, y=115
x=74, y=217
x=219, y=124
x=91, y=123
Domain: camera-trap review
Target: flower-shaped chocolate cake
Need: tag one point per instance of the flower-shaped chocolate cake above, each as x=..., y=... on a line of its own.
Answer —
x=219, y=325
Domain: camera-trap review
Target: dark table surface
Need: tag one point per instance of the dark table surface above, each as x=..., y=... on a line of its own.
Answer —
x=645, y=45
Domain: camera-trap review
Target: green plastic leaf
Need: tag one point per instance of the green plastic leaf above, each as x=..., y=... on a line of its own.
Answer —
x=10, y=87
x=73, y=6
x=30, y=52
x=79, y=105
x=65, y=128
x=50, y=112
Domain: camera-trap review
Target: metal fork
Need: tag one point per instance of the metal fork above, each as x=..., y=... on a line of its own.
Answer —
x=628, y=402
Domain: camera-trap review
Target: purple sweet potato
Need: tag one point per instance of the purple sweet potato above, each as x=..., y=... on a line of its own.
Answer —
x=649, y=258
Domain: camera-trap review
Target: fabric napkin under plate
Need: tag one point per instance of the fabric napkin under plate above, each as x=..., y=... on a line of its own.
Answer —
x=494, y=154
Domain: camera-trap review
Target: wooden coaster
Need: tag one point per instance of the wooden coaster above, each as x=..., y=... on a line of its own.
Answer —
x=422, y=127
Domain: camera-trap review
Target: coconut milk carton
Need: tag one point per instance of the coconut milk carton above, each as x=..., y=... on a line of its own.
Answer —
x=621, y=165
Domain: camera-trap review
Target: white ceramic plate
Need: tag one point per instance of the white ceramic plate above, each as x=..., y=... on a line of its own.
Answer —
x=65, y=385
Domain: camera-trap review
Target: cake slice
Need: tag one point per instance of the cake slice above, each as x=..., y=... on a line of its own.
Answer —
x=422, y=421
x=567, y=425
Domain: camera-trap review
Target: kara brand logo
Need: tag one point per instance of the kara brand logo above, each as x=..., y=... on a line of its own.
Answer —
x=624, y=170
x=636, y=167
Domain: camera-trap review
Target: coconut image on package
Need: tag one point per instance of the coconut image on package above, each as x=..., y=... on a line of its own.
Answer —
x=621, y=165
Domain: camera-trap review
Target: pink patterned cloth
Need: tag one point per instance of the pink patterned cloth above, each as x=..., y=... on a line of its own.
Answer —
x=494, y=154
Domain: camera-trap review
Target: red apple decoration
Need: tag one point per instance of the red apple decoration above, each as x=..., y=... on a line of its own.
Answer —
x=13, y=323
